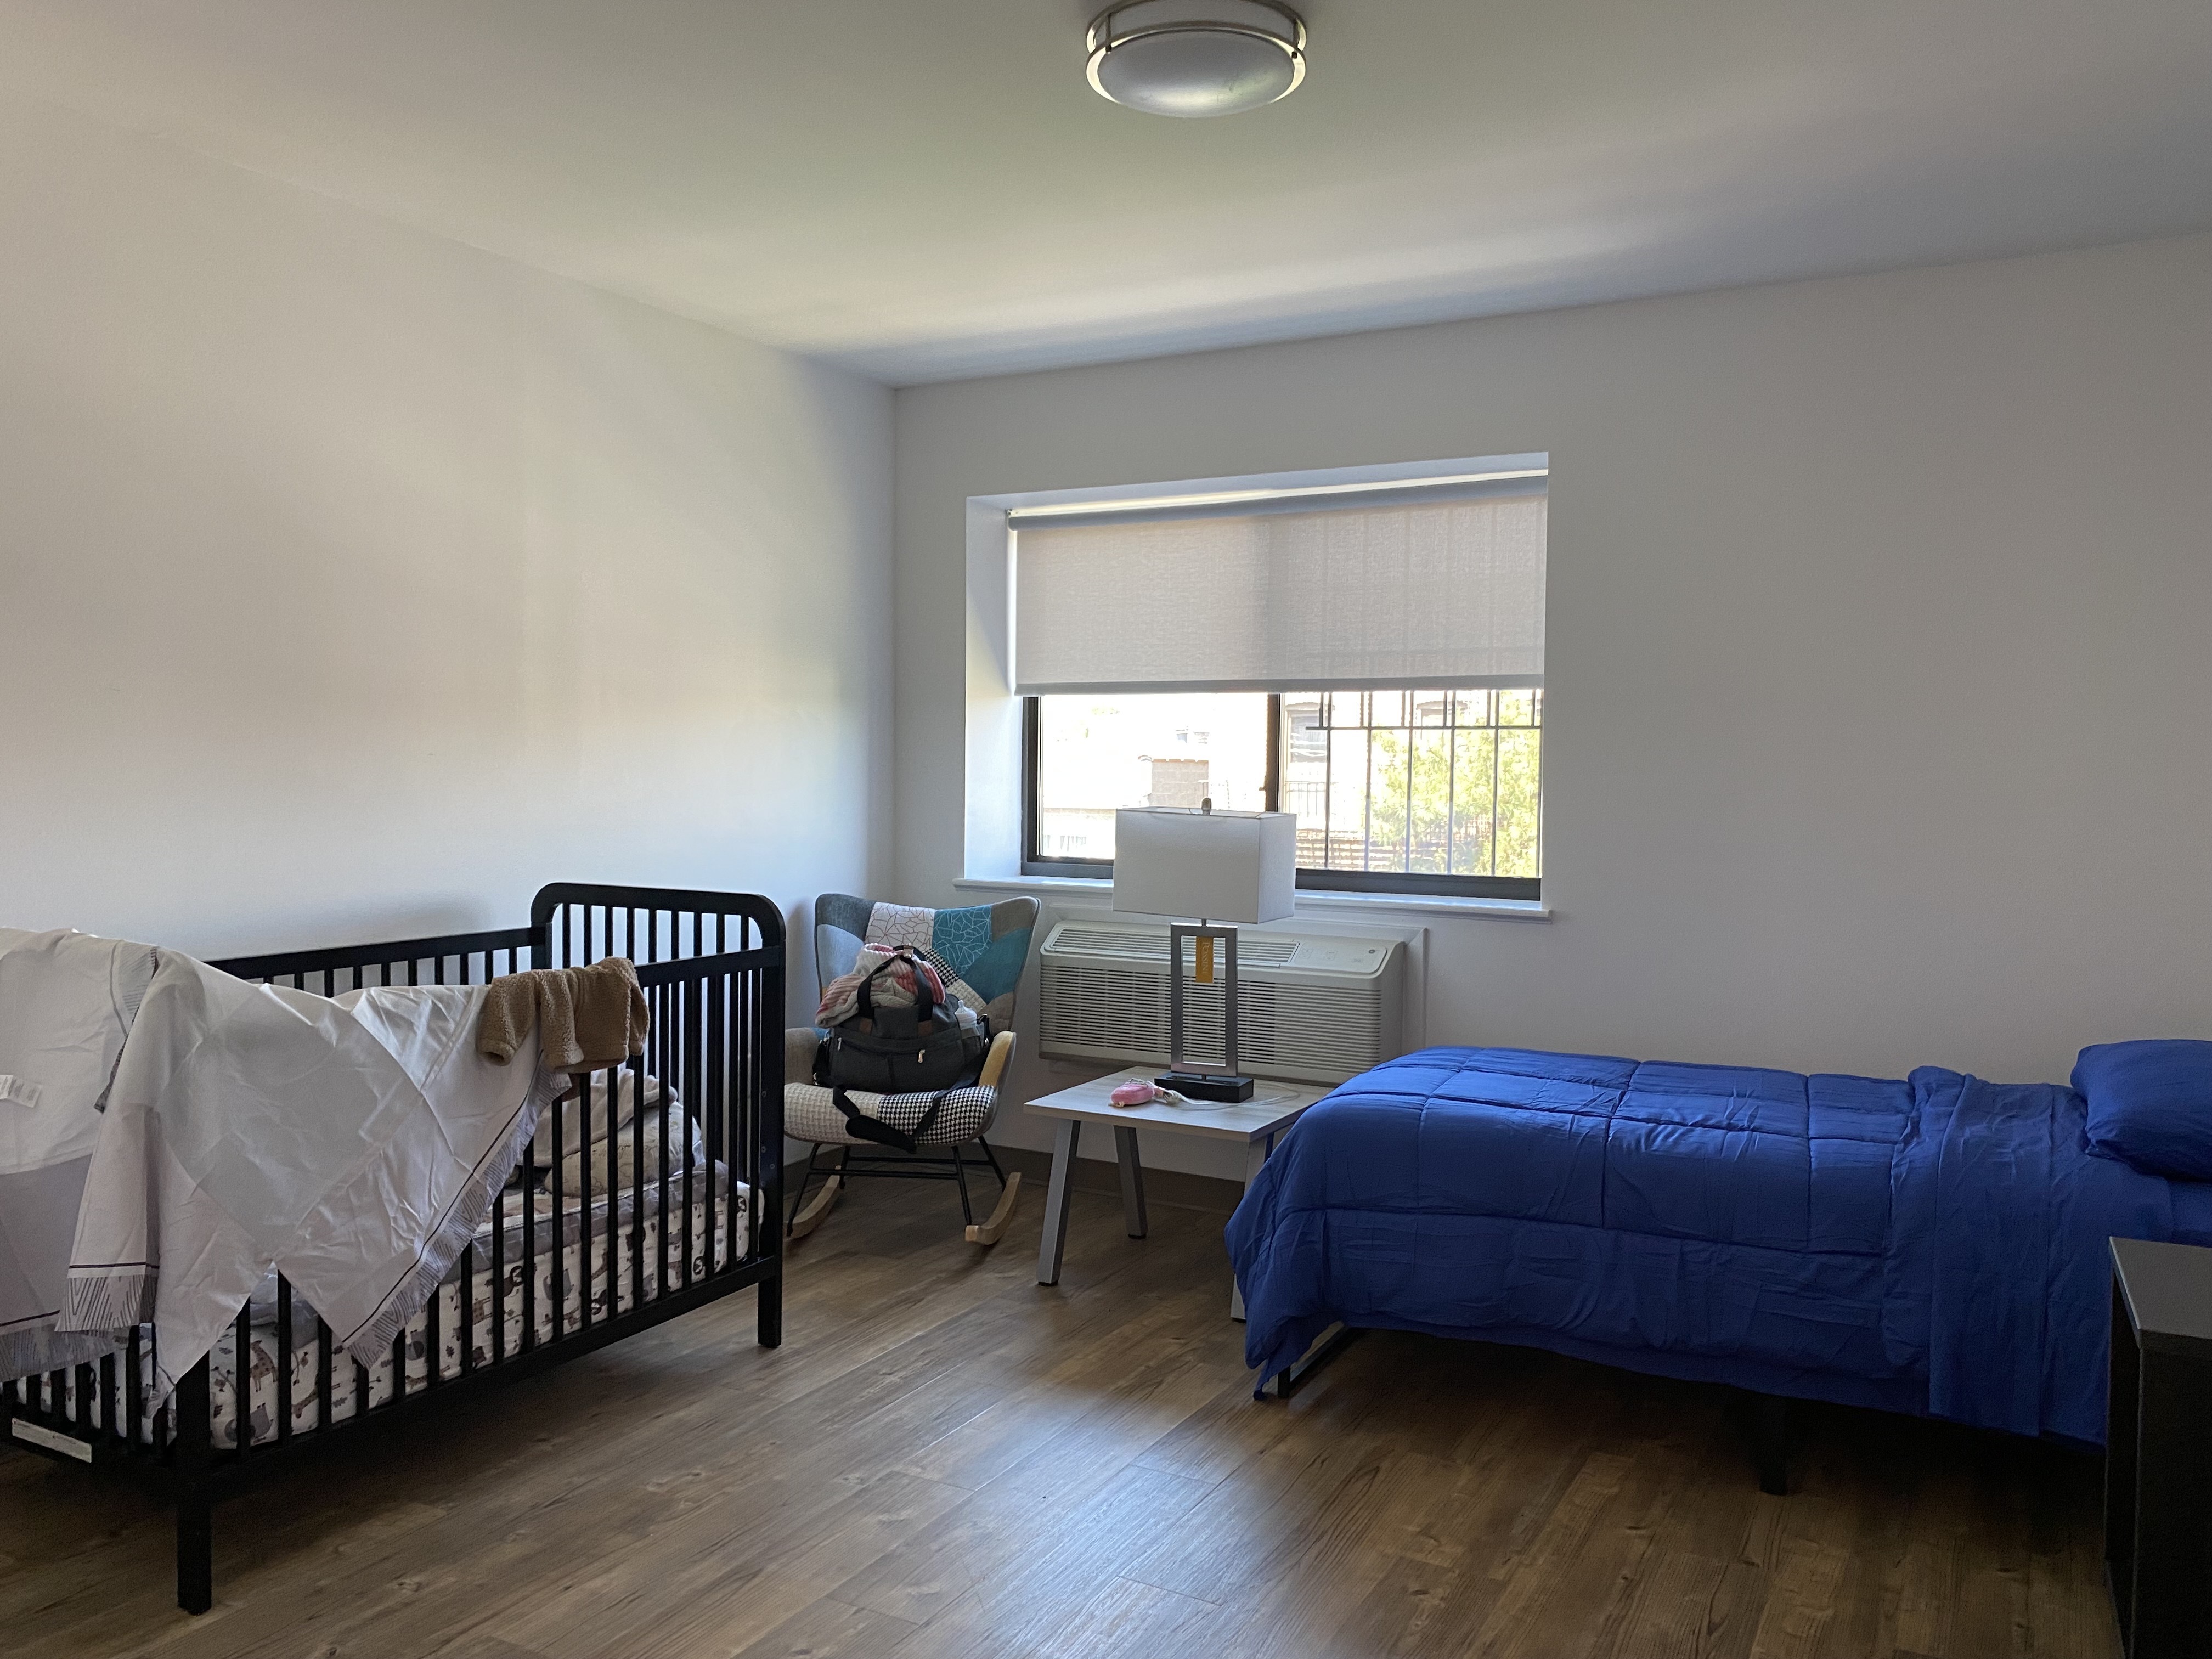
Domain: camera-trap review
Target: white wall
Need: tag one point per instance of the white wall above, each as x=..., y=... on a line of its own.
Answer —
x=1879, y=663
x=353, y=583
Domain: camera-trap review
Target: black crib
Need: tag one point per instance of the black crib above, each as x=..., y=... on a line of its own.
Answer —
x=712, y=965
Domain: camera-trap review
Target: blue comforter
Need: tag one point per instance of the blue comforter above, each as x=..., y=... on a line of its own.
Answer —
x=1933, y=1245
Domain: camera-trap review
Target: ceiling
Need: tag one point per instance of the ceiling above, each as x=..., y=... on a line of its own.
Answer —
x=925, y=189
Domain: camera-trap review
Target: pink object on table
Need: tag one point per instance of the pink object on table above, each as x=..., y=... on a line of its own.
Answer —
x=1136, y=1093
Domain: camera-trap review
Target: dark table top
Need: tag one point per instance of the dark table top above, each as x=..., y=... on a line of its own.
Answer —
x=2168, y=1288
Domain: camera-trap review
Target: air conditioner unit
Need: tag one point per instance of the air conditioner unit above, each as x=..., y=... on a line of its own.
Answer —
x=1311, y=1008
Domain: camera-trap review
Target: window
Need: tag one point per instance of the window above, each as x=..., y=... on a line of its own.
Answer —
x=1371, y=662
x=1424, y=791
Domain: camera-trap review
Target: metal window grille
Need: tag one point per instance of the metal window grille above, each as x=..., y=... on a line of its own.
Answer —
x=1436, y=782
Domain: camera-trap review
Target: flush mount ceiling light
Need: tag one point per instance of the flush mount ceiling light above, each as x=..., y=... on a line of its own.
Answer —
x=1192, y=58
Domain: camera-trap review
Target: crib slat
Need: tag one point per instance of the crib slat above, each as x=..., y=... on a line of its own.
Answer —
x=707, y=1109
x=584, y=1202
x=690, y=1093
x=663, y=1040
x=241, y=1376
x=637, y=1187
x=134, y=1388
x=283, y=1358
x=469, y=1306
x=499, y=1276
x=529, y=1251
x=560, y=1218
x=432, y=1348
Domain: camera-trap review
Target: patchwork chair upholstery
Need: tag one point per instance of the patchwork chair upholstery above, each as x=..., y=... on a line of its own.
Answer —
x=980, y=951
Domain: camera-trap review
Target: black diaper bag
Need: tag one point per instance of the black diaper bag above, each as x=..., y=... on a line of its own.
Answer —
x=922, y=1049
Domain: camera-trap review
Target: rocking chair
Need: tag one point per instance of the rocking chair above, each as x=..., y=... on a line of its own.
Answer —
x=980, y=951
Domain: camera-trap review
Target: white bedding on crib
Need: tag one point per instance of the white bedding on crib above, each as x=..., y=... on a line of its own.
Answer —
x=616, y=1268
x=353, y=1143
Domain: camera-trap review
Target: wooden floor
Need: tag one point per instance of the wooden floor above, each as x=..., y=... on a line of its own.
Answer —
x=945, y=1459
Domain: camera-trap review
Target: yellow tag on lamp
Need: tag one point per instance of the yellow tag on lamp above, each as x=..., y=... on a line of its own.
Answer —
x=1204, y=945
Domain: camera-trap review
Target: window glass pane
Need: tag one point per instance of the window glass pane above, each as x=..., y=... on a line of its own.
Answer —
x=1346, y=819
x=1098, y=753
x=1420, y=782
x=1428, y=851
x=1389, y=801
x=1473, y=757
x=1519, y=821
x=1305, y=773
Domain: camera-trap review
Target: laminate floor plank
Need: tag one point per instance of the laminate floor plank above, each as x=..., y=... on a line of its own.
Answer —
x=947, y=1461
x=1023, y=1563
x=827, y=1629
x=1130, y=1620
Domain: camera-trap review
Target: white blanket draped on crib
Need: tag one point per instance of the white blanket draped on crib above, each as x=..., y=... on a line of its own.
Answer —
x=352, y=1143
x=66, y=1003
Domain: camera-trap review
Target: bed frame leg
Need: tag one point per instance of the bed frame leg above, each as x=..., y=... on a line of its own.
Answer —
x=1326, y=1347
x=1771, y=1444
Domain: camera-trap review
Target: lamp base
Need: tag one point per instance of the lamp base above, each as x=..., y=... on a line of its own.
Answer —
x=1207, y=1085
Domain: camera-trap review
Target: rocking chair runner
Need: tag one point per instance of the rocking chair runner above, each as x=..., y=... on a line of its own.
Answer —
x=980, y=951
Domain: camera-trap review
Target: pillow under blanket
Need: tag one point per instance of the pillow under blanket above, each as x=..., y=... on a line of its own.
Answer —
x=624, y=1107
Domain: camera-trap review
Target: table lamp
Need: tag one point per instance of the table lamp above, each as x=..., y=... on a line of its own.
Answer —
x=1222, y=867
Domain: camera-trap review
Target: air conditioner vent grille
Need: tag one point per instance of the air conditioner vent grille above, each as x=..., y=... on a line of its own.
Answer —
x=1105, y=997
x=1148, y=945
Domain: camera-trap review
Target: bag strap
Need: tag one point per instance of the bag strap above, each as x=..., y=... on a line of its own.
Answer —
x=887, y=1135
x=925, y=1000
x=867, y=1008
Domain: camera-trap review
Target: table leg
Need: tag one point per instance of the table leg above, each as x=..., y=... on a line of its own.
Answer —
x=1133, y=1181
x=1255, y=1154
x=1053, y=1245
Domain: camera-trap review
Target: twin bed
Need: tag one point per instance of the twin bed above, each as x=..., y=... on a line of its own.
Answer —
x=1935, y=1244
x=649, y=1189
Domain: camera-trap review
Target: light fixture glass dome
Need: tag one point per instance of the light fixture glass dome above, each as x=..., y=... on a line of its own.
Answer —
x=1197, y=57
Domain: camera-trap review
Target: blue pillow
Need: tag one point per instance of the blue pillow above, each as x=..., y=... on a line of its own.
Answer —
x=2150, y=1104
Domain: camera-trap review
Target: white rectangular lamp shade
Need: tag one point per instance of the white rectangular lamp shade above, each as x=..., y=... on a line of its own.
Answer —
x=1217, y=867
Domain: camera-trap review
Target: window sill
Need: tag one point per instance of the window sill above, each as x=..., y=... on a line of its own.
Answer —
x=1309, y=902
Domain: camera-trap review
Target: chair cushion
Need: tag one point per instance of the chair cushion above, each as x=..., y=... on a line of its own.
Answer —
x=810, y=1113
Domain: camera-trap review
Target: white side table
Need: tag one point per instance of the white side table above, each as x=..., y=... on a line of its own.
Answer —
x=1254, y=1123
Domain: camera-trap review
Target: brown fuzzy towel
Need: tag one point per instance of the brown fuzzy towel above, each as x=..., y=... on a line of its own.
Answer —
x=585, y=1017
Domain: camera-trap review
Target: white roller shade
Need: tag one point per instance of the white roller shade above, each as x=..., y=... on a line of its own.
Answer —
x=1394, y=590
